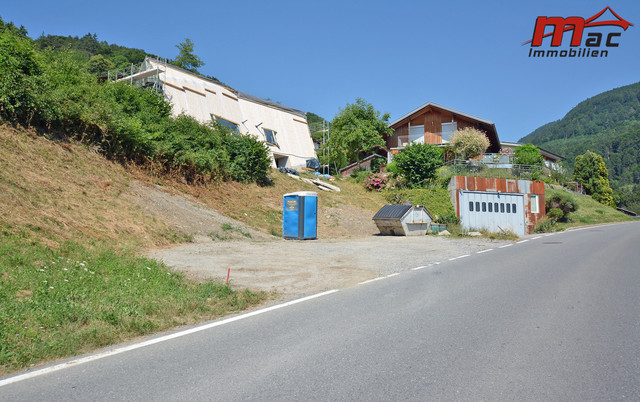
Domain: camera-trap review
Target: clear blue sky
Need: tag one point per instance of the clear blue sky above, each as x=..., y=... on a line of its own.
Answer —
x=318, y=56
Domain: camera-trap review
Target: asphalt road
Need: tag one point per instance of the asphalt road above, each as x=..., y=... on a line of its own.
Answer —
x=549, y=318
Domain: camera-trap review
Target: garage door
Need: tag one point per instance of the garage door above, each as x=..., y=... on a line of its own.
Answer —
x=495, y=212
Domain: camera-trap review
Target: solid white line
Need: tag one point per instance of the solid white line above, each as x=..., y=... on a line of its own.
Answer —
x=420, y=267
x=392, y=275
x=549, y=234
x=535, y=238
x=150, y=342
x=484, y=251
x=372, y=280
x=506, y=245
x=522, y=241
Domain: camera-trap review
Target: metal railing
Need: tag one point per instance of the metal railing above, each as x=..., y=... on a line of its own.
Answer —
x=497, y=170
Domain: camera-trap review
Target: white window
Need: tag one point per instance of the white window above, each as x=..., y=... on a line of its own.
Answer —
x=535, y=208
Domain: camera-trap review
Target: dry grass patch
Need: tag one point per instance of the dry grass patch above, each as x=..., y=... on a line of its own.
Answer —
x=58, y=193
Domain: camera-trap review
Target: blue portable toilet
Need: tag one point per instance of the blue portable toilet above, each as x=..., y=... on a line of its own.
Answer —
x=300, y=215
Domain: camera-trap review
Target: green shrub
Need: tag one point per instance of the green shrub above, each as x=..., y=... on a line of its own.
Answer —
x=435, y=199
x=555, y=214
x=545, y=225
x=392, y=168
x=419, y=163
x=559, y=205
x=54, y=90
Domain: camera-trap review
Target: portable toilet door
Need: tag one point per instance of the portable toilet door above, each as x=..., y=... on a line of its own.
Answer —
x=299, y=215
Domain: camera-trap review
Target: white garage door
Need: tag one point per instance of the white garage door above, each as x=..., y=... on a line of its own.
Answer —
x=495, y=212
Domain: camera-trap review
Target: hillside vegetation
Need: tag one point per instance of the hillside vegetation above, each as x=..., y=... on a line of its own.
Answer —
x=609, y=125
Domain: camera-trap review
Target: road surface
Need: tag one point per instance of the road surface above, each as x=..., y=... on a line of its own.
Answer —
x=552, y=317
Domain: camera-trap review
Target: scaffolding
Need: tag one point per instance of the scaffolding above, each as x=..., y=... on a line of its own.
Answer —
x=145, y=75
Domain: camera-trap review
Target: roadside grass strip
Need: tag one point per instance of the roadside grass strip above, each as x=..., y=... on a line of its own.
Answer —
x=97, y=356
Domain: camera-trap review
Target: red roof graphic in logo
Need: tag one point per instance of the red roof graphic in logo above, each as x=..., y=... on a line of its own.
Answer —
x=570, y=25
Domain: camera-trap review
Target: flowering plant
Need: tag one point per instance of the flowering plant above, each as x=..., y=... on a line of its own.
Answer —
x=375, y=181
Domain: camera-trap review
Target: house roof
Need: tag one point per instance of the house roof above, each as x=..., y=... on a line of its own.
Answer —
x=435, y=105
x=492, y=132
x=363, y=160
x=240, y=94
x=544, y=152
x=272, y=104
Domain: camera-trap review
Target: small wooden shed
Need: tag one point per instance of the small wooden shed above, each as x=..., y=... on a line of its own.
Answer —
x=403, y=220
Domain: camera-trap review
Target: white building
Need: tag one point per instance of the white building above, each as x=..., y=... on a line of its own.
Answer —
x=282, y=128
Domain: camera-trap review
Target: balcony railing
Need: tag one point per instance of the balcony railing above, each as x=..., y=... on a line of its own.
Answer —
x=459, y=167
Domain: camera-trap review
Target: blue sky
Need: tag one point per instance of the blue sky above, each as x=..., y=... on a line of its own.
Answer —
x=318, y=56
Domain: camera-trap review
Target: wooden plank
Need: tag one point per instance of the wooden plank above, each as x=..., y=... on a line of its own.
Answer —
x=193, y=90
x=230, y=96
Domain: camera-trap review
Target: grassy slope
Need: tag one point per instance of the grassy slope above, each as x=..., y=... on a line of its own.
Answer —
x=590, y=212
x=70, y=281
x=261, y=207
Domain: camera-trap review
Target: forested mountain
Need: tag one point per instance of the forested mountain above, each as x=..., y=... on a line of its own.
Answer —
x=607, y=124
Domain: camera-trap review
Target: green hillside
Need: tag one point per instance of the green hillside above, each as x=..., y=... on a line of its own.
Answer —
x=608, y=124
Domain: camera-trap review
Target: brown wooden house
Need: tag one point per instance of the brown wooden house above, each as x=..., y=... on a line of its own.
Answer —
x=435, y=124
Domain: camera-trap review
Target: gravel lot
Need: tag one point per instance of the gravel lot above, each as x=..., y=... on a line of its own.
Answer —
x=296, y=268
x=292, y=268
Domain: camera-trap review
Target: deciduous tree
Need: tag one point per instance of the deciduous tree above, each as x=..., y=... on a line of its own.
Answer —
x=528, y=154
x=591, y=171
x=356, y=131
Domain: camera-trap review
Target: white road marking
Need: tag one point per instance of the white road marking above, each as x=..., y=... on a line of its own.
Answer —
x=457, y=258
x=372, y=280
x=420, y=267
x=506, y=245
x=537, y=237
x=153, y=341
x=485, y=251
x=522, y=241
x=392, y=275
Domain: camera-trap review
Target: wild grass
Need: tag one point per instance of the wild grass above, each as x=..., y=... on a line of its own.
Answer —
x=589, y=212
x=58, y=302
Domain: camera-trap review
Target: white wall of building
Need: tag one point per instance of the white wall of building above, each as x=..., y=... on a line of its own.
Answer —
x=201, y=98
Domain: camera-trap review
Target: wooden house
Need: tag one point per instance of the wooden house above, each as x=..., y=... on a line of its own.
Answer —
x=435, y=124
